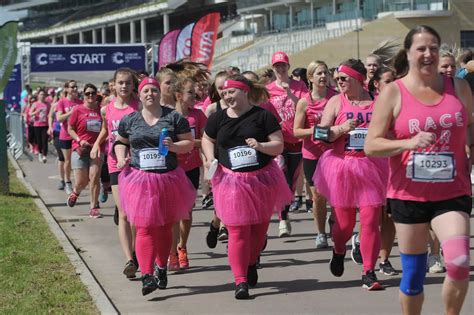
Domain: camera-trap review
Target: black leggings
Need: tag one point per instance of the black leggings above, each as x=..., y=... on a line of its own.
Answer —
x=293, y=162
x=41, y=137
x=59, y=152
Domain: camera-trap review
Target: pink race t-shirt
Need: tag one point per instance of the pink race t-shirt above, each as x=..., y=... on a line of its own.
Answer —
x=40, y=119
x=286, y=107
x=64, y=106
x=87, y=124
x=197, y=121
x=113, y=115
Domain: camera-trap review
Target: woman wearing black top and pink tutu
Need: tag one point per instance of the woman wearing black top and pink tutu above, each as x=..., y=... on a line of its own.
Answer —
x=248, y=186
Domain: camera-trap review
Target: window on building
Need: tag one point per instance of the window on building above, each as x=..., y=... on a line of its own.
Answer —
x=467, y=39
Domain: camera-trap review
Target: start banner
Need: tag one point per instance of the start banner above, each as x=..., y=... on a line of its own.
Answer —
x=56, y=58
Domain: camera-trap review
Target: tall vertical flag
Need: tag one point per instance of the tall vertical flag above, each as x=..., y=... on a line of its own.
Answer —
x=183, y=44
x=204, y=38
x=167, y=50
x=8, y=51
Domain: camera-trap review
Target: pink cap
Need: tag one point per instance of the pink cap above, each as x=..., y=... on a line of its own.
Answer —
x=147, y=81
x=280, y=56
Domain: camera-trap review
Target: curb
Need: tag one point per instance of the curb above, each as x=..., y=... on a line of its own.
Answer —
x=100, y=298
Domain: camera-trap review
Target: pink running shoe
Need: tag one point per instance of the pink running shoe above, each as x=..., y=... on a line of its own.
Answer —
x=173, y=262
x=94, y=213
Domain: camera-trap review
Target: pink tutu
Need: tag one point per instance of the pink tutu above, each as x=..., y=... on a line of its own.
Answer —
x=246, y=198
x=352, y=182
x=155, y=199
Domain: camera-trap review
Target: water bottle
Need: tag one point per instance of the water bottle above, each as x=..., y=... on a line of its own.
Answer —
x=162, y=148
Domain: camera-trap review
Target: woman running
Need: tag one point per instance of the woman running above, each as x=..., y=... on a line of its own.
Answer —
x=123, y=104
x=39, y=112
x=63, y=111
x=284, y=95
x=84, y=128
x=309, y=111
x=154, y=192
x=248, y=185
x=429, y=116
x=346, y=177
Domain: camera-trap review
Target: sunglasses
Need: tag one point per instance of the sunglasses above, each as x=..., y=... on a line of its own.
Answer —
x=90, y=93
x=342, y=79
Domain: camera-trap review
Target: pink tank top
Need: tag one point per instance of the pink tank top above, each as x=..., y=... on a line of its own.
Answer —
x=113, y=116
x=440, y=171
x=352, y=143
x=312, y=150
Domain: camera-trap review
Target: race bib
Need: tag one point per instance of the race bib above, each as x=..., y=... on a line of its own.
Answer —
x=433, y=167
x=150, y=159
x=42, y=117
x=357, y=139
x=243, y=156
x=93, y=125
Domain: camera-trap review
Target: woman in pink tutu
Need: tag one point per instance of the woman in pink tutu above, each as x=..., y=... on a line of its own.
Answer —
x=154, y=192
x=346, y=177
x=248, y=185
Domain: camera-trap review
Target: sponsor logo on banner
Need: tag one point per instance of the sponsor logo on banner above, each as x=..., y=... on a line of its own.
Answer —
x=204, y=39
x=167, y=48
x=183, y=43
x=87, y=57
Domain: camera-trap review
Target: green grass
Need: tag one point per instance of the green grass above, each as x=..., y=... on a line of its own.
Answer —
x=36, y=277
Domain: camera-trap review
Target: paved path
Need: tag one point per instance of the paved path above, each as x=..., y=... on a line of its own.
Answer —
x=295, y=278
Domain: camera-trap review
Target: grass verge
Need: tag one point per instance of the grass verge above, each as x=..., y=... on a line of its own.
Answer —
x=35, y=274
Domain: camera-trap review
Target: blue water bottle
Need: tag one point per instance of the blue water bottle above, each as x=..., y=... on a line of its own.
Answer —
x=162, y=148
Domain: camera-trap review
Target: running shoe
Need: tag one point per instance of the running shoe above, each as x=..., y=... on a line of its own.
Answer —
x=309, y=205
x=183, y=258
x=43, y=159
x=116, y=216
x=370, y=282
x=40, y=157
x=61, y=185
x=71, y=200
x=296, y=204
x=173, y=262
x=242, y=291
x=336, y=264
x=161, y=277
x=252, y=275
x=284, y=229
x=95, y=213
x=321, y=241
x=103, y=195
x=435, y=265
x=68, y=188
x=211, y=237
x=130, y=269
x=356, y=255
x=207, y=201
x=149, y=284
x=223, y=234
x=387, y=269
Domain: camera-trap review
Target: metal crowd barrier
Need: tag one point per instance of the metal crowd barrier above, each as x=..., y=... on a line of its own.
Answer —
x=15, y=134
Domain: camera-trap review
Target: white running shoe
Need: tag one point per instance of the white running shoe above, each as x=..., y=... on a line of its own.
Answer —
x=68, y=188
x=284, y=229
x=321, y=240
x=40, y=157
x=435, y=265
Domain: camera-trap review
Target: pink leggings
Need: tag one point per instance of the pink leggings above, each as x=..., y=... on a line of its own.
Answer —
x=345, y=219
x=153, y=242
x=245, y=244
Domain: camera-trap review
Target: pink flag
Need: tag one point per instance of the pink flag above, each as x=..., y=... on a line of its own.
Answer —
x=167, y=50
x=204, y=38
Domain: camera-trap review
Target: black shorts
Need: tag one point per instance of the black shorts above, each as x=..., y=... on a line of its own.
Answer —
x=413, y=212
x=194, y=176
x=114, y=178
x=309, y=167
x=65, y=144
x=57, y=147
x=104, y=172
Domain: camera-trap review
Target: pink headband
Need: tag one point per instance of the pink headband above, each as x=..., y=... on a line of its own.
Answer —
x=147, y=81
x=228, y=84
x=351, y=72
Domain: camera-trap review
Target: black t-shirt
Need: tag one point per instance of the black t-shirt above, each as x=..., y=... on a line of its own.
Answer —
x=230, y=133
x=144, y=139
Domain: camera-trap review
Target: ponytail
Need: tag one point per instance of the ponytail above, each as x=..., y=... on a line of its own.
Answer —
x=400, y=64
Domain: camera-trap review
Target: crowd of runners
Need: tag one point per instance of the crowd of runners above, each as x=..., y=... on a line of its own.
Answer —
x=390, y=137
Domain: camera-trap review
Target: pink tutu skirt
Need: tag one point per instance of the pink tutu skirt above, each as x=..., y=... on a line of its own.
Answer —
x=246, y=198
x=155, y=199
x=351, y=182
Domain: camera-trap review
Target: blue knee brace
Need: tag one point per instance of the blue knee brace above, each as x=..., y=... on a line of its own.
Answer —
x=413, y=273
